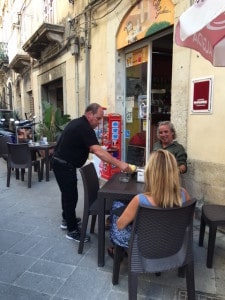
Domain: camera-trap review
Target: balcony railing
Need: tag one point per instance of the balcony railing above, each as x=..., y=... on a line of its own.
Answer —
x=4, y=53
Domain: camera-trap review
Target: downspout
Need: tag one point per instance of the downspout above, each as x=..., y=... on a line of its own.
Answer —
x=87, y=17
x=75, y=51
x=77, y=93
x=88, y=24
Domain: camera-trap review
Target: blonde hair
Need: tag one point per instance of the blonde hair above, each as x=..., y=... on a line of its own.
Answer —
x=162, y=180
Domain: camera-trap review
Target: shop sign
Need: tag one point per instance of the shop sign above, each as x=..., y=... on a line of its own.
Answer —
x=145, y=19
x=137, y=57
x=201, y=96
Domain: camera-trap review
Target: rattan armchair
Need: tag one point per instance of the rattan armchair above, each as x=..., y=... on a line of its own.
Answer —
x=3, y=147
x=91, y=187
x=162, y=239
x=19, y=157
x=212, y=215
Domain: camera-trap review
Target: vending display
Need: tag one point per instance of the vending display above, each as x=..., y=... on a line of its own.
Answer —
x=109, y=133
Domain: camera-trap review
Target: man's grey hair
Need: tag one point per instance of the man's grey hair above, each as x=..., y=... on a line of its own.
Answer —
x=93, y=107
x=171, y=127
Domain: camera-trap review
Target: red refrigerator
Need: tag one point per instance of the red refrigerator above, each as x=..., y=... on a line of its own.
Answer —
x=110, y=137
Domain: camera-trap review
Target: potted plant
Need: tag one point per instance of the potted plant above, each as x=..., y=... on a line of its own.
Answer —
x=53, y=122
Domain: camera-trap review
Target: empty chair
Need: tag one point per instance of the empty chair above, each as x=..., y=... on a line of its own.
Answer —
x=213, y=215
x=19, y=157
x=161, y=239
x=3, y=147
x=4, y=151
x=91, y=187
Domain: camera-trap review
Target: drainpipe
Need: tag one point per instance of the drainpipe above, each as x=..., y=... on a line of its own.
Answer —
x=77, y=93
x=87, y=16
x=75, y=51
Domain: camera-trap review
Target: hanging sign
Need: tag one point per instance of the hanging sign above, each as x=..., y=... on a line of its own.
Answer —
x=201, y=101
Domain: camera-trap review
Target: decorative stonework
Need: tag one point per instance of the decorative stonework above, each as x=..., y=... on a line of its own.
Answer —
x=52, y=74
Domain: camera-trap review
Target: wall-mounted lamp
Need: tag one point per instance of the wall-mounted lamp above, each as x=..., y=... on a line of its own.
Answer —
x=82, y=41
x=74, y=46
x=73, y=23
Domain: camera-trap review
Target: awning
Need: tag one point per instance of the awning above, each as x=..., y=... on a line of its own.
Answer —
x=202, y=28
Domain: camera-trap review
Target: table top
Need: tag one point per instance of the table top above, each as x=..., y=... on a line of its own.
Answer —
x=115, y=189
x=37, y=146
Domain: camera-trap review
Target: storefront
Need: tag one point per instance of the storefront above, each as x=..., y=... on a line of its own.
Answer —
x=144, y=69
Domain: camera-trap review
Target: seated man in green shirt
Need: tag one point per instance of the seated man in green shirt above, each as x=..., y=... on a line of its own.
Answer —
x=166, y=135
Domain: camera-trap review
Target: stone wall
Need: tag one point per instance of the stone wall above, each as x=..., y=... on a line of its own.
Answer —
x=205, y=181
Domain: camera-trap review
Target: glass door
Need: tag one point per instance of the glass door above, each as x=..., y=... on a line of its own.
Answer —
x=148, y=73
x=136, y=106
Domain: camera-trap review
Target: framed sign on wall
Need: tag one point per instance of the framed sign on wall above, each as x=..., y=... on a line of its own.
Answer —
x=201, y=95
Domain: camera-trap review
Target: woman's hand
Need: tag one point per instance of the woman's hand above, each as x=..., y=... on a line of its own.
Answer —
x=182, y=169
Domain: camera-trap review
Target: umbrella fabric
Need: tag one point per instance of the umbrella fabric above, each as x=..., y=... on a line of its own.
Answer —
x=202, y=27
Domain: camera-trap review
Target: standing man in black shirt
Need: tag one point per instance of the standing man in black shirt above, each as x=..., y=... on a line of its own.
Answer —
x=76, y=142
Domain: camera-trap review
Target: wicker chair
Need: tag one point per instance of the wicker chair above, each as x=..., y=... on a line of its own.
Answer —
x=3, y=147
x=91, y=187
x=212, y=215
x=4, y=151
x=19, y=157
x=162, y=239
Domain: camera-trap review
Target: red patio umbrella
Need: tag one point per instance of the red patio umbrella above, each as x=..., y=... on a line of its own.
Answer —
x=202, y=28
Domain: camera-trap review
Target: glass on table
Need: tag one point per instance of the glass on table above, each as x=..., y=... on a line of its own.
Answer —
x=124, y=177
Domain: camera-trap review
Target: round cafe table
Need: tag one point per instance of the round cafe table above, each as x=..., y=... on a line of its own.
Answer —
x=47, y=150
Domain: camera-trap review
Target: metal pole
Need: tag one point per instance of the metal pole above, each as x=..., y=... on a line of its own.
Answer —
x=16, y=126
x=77, y=84
x=87, y=60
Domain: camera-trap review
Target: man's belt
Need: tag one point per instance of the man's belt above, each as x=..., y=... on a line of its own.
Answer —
x=62, y=161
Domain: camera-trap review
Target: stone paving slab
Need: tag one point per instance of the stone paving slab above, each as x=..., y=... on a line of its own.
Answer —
x=37, y=261
x=182, y=295
x=9, y=292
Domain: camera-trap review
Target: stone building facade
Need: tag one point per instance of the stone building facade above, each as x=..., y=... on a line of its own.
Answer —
x=122, y=55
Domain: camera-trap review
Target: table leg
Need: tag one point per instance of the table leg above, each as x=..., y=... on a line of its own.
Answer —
x=101, y=233
x=47, y=164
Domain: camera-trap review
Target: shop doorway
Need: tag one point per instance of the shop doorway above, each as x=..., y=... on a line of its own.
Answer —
x=161, y=78
x=52, y=92
x=148, y=75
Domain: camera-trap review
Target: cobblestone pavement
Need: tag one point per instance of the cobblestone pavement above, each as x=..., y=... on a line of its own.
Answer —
x=37, y=261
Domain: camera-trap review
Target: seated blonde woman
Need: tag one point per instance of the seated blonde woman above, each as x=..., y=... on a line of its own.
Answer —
x=162, y=189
